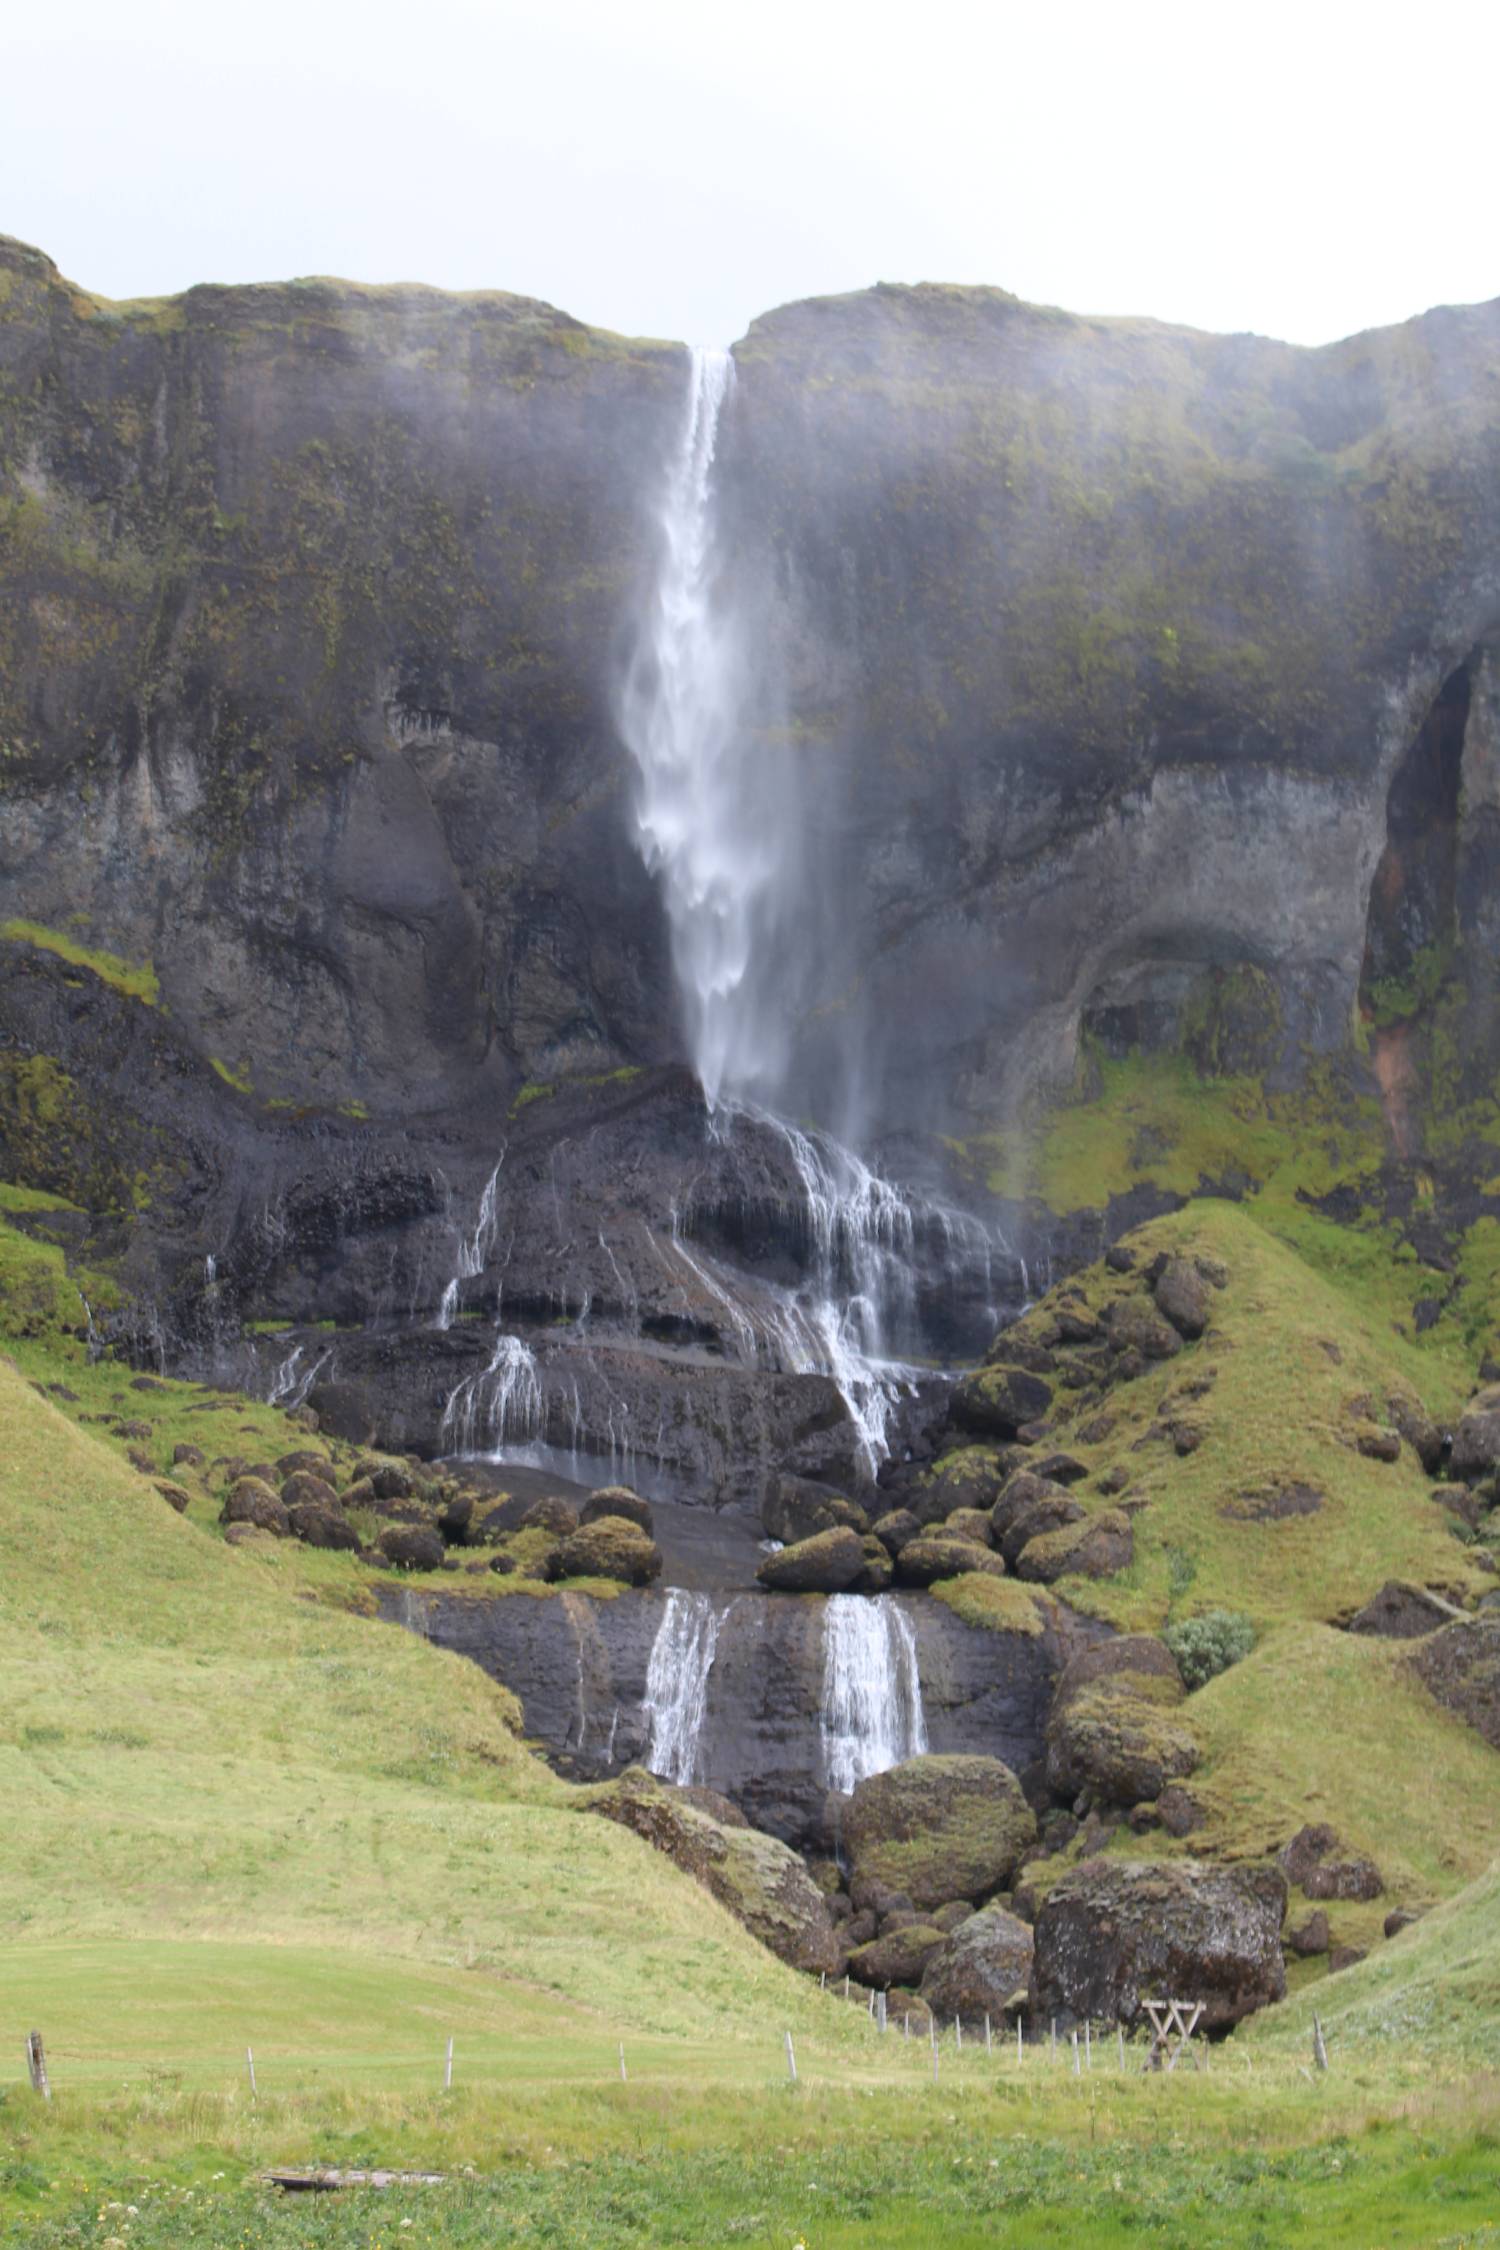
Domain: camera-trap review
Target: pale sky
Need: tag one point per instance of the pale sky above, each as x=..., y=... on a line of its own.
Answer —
x=673, y=167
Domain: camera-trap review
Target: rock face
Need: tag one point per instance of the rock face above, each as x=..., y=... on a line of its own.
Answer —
x=1114, y=1932
x=939, y=1828
x=757, y=1878
x=580, y=1669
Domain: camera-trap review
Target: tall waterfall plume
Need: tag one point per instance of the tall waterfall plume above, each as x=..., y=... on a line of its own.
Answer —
x=872, y=1694
x=711, y=820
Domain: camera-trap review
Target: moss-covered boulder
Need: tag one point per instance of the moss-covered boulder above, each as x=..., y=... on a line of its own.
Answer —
x=1096, y=1548
x=897, y=1957
x=1115, y=1932
x=610, y=1547
x=759, y=1879
x=318, y=1524
x=1461, y=1667
x=1053, y=1509
x=1021, y=1490
x=897, y=1529
x=303, y=1488
x=996, y=1402
x=1182, y=1297
x=879, y=1571
x=251, y=1500
x=981, y=1968
x=1122, y=1738
x=412, y=1546
x=828, y=1563
x=618, y=1500
x=922, y=1562
x=968, y=1523
x=939, y=1828
x=969, y=1478
x=1476, y=1441
x=1135, y=1325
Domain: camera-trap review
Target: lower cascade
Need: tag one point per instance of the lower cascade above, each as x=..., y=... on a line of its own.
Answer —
x=872, y=1694
x=682, y=1656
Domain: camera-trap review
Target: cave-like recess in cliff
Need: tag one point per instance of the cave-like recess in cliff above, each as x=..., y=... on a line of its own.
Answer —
x=1412, y=923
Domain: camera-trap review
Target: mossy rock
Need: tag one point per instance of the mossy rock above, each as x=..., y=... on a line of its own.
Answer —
x=1096, y=1548
x=254, y=1502
x=922, y=1562
x=1118, y=1739
x=828, y=1563
x=998, y=1401
x=939, y=1828
x=897, y=1958
x=618, y=1500
x=610, y=1547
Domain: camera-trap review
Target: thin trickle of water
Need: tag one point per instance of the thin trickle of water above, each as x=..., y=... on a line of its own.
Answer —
x=291, y=1381
x=682, y=1656
x=473, y=1250
x=872, y=1693
x=498, y=1406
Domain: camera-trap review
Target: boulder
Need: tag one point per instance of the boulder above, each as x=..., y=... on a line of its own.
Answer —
x=1377, y=1444
x=1400, y=1918
x=301, y=1487
x=980, y=1968
x=1095, y=1549
x=1020, y=1492
x=898, y=1958
x=1310, y=1936
x=1135, y=1325
x=1459, y=1501
x=1050, y=1511
x=757, y=1878
x=188, y=1457
x=1121, y=1738
x=308, y=1462
x=796, y=1509
x=317, y=1524
x=1476, y=1441
x=1062, y=1468
x=551, y=1514
x=1460, y=1666
x=359, y=1494
x=1179, y=1811
x=174, y=1496
x=922, y=1562
x=1077, y=1325
x=252, y=1501
x=947, y=1918
x=1347, y=1875
x=997, y=1402
x=939, y=1828
x=968, y=1523
x=391, y=1481
x=897, y=1530
x=610, y=1547
x=1344, y=1957
x=1115, y=1932
x=1139, y=1654
x=1402, y=1612
x=879, y=1570
x=618, y=1500
x=456, y=1519
x=971, y=1478
x=1417, y=1427
x=1182, y=1297
x=827, y=1563
x=1311, y=1843
x=412, y=1546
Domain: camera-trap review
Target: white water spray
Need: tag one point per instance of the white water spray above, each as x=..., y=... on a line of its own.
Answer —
x=872, y=1695
x=500, y=1405
x=473, y=1249
x=682, y=1657
x=708, y=818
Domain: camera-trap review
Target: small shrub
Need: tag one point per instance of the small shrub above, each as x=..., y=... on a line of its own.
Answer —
x=1206, y=1646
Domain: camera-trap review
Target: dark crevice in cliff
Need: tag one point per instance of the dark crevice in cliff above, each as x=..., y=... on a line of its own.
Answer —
x=1411, y=928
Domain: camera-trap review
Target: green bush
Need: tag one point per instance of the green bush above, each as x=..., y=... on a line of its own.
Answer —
x=1206, y=1646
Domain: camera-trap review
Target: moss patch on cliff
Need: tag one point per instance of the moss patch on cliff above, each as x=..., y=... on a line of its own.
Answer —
x=134, y=980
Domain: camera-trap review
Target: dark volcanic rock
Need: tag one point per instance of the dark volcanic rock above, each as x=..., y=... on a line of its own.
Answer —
x=899, y=1957
x=1460, y=1666
x=980, y=1970
x=998, y=1401
x=1182, y=1295
x=922, y=1562
x=318, y=1525
x=618, y=1500
x=1096, y=1548
x=1400, y=1612
x=1114, y=1932
x=252, y=1501
x=796, y=1509
x=610, y=1547
x=412, y=1546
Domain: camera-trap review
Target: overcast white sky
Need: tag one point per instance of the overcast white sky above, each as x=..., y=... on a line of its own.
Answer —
x=673, y=167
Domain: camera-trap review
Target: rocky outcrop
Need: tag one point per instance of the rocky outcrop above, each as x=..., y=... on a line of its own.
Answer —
x=938, y=1828
x=757, y=1878
x=1460, y=1666
x=1114, y=1932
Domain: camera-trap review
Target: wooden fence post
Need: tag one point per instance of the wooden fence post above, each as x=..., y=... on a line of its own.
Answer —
x=36, y=2065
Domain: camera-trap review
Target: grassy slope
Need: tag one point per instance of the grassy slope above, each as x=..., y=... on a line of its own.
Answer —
x=185, y=1749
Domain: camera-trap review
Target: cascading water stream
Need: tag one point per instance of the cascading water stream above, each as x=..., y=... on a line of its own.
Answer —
x=682, y=1657
x=872, y=1694
x=473, y=1249
x=500, y=1405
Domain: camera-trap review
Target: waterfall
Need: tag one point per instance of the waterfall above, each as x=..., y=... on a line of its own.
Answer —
x=872, y=1695
x=682, y=1657
x=501, y=1403
x=711, y=820
x=291, y=1382
x=473, y=1249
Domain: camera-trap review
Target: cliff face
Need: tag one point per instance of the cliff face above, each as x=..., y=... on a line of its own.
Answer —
x=1105, y=654
x=1105, y=641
